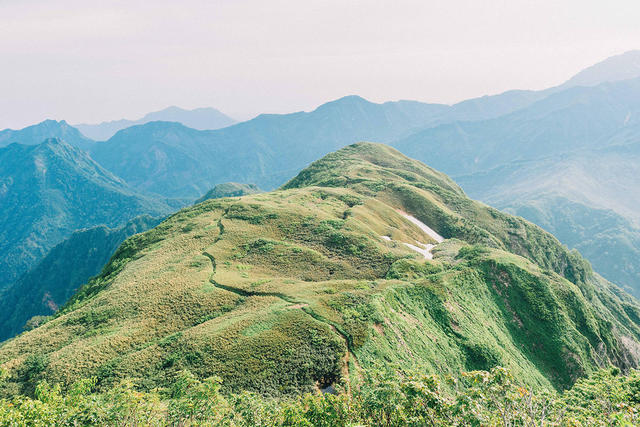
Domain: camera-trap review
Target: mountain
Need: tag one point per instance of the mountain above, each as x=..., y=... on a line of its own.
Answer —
x=199, y=118
x=365, y=258
x=175, y=161
x=70, y=264
x=620, y=67
x=589, y=199
x=34, y=135
x=574, y=119
x=566, y=162
x=229, y=189
x=49, y=190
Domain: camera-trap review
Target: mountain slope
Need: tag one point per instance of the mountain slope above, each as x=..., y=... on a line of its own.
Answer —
x=574, y=119
x=576, y=147
x=620, y=67
x=199, y=118
x=34, y=135
x=589, y=199
x=70, y=264
x=175, y=161
x=324, y=279
x=229, y=189
x=49, y=190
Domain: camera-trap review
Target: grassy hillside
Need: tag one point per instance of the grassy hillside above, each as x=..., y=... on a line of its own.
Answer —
x=69, y=265
x=314, y=285
x=588, y=199
x=229, y=189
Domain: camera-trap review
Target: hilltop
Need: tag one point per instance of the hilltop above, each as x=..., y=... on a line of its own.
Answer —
x=229, y=189
x=320, y=281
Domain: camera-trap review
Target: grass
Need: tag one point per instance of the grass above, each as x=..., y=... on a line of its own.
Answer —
x=275, y=292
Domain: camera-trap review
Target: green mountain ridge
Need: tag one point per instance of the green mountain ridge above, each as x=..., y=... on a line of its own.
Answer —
x=322, y=280
x=70, y=264
x=229, y=189
x=576, y=147
x=49, y=190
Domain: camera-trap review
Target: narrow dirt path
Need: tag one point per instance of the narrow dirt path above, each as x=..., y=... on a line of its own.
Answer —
x=302, y=305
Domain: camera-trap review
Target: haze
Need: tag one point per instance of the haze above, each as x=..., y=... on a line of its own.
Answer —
x=88, y=61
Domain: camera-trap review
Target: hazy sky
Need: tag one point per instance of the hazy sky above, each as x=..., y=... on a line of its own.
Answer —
x=89, y=61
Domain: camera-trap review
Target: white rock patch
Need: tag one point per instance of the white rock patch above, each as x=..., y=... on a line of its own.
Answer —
x=424, y=227
x=425, y=248
x=426, y=251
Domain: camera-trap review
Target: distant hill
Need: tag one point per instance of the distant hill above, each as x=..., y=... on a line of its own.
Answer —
x=365, y=258
x=568, y=162
x=620, y=67
x=574, y=119
x=70, y=264
x=229, y=189
x=34, y=135
x=176, y=161
x=199, y=118
x=49, y=190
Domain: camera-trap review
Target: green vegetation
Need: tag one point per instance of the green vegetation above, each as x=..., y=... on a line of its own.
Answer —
x=229, y=189
x=569, y=163
x=289, y=292
x=50, y=190
x=39, y=293
x=382, y=398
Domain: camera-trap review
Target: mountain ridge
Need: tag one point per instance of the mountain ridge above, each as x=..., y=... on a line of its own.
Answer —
x=294, y=290
x=51, y=189
x=35, y=134
x=198, y=118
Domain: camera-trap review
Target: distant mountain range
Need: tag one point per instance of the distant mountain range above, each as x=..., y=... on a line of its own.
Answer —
x=620, y=67
x=199, y=118
x=34, y=135
x=563, y=157
x=48, y=191
x=175, y=161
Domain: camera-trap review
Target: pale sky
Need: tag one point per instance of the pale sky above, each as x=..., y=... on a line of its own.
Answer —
x=89, y=61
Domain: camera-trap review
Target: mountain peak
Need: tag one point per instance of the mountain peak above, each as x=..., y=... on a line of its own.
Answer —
x=35, y=134
x=619, y=67
x=206, y=118
x=349, y=100
x=366, y=239
x=368, y=161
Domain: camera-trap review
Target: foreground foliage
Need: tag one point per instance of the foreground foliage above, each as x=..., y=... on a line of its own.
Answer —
x=382, y=398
